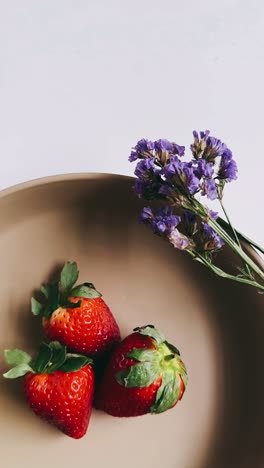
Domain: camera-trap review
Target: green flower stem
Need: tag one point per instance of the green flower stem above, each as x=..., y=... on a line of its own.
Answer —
x=224, y=224
x=233, y=245
x=199, y=210
x=223, y=274
x=247, y=269
x=229, y=222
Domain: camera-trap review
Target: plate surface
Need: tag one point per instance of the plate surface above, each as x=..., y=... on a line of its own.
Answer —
x=218, y=327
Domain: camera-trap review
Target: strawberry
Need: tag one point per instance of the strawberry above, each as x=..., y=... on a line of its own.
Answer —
x=59, y=386
x=144, y=375
x=77, y=316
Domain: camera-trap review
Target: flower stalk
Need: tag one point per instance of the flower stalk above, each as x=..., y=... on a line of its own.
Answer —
x=238, y=250
x=241, y=236
x=223, y=274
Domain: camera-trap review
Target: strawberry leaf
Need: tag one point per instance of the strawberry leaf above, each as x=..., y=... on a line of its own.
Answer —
x=172, y=348
x=15, y=357
x=43, y=358
x=58, y=356
x=45, y=290
x=53, y=295
x=36, y=307
x=69, y=304
x=18, y=371
x=151, y=331
x=56, y=345
x=75, y=363
x=85, y=291
x=168, y=393
x=69, y=275
x=143, y=355
x=49, y=302
x=139, y=376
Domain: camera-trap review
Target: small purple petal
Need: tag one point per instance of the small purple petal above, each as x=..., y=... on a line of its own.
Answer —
x=204, y=169
x=205, y=135
x=209, y=188
x=211, y=239
x=177, y=149
x=163, y=145
x=192, y=182
x=174, y=166
x=146, y=168
x=161, y=226
x=170, y=147
x=213, y=214
x=133, y=156
x=228, y=167
x=143, y=149
x=146, y=214
x=178, y=240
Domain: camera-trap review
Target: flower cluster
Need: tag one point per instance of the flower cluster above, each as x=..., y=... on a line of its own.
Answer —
x=184, y=232
x=164, y=223
x=165, y=174
x=161, y=168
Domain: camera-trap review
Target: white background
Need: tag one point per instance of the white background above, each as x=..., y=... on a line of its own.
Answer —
x=82, y=80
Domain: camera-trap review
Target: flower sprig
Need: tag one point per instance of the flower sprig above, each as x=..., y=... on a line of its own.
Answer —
x=163, y=173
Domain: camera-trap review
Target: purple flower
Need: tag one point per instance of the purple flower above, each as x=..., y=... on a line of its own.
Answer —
x=174, y=166
x=189, y=223
x=146, y=215
x=163, y=145
x=148, y=189
x=211, y=240
x=148, y=183
x=177, y=149
x=146, y=169
x=166, y=145
x=143, y=149
x=213, y=214
x=204, y=169
x=178, y=240
x=206, y=146
x=164, y=150
x=163, y=222
x=209, y=188
x=228, y=167
x=166, y=190
x=191, y=181
x=181, y=174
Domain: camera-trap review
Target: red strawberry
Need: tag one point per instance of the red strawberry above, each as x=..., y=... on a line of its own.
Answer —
x=144, y=375
x=76, y=316
x=59, y=387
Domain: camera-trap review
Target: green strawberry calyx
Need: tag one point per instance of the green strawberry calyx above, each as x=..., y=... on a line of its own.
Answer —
x=51, y=357
x=162, y=361
x=55, y=295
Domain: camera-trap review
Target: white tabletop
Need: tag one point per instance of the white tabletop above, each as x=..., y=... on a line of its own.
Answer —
x=81, y=81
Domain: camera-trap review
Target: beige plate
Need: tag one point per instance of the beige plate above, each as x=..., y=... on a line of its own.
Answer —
x=218, y=326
